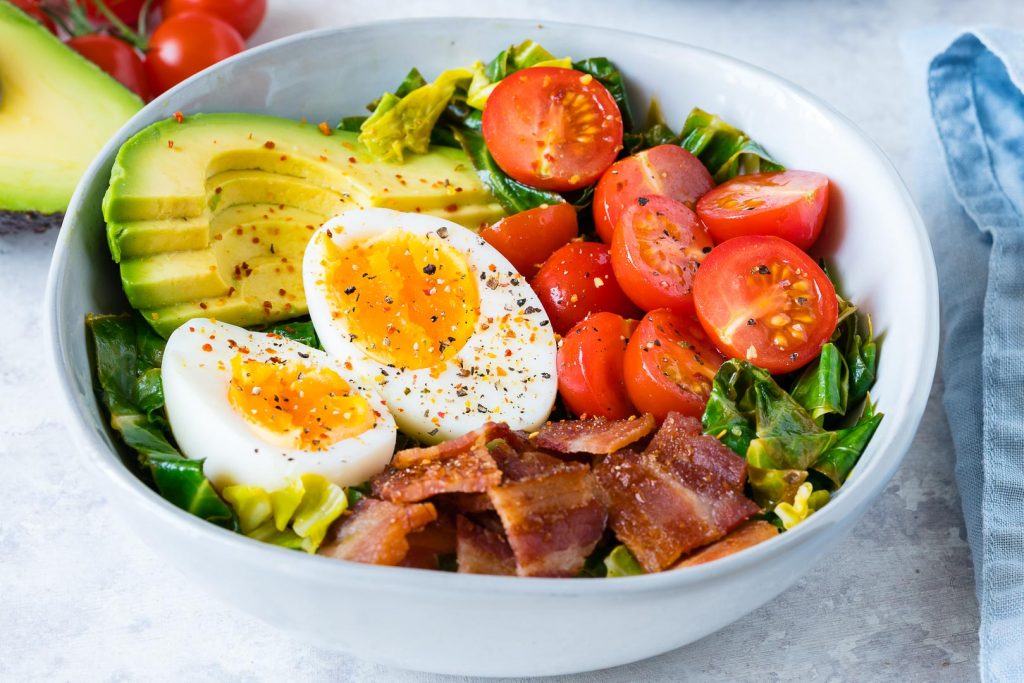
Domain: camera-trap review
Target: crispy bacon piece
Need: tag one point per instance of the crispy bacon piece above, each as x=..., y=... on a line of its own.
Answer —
x=598, y=435
x=462, y=465
x=746, y=535
x=430, y=542
x=480, y=551
x=683, y=492
x=377, y=531
x=551, y=514
x=464, y=502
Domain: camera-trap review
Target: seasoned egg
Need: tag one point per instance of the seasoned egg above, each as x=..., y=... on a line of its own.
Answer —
x=451, y=335
x=263, y=410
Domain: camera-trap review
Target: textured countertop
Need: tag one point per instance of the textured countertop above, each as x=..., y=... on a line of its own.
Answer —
x=82, y=599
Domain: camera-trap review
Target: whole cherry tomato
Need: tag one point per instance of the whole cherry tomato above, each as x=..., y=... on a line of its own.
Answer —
x=116, y=57
x=590, y=377
x=244, y=15
x=187, y=43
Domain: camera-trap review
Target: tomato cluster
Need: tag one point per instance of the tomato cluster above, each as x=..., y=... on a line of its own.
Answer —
x=190, y=35
x=686, y=274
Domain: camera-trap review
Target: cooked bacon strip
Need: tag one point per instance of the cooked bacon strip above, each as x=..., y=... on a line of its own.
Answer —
x=480, y=551
x=746, y=535
x=552, y=515
x=598, y=435
x=465, y=443
x=668, y=501
x=467, y=471
x=464, y=502
x=427, y=544
x=681, y=438
x=515, y=465
x=376, y=532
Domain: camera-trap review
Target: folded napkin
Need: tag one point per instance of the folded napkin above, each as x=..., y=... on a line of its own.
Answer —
x=976, y=89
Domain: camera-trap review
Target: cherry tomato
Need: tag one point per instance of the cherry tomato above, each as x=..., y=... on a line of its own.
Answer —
x=116, y=57
x=590, y=375
x=764, y=300
x=185, y=44
x=244, y=15
x=667, y=170
x=127, y=11
x=578, y=280
x=656, y=251
x=552, y=128
x=33, y=8
x=527, y=238
x=788, y=204
x=670, y=365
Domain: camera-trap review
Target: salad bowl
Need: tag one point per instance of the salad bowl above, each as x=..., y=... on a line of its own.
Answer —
x=501, y=626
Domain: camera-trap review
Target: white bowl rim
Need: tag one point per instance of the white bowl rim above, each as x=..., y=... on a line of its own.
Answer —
x=865, y=486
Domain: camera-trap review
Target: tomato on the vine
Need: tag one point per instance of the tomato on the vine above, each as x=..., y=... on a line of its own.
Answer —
x=670, y=365
x=590, y=374
x=557, y=129
x=764, y=300
x=116, y=57
x=187, y=43
x=788, y=204
x=127, y=11
x=529, y=237
x=33, y=8
x=667, y=170
x=577, y=280
x=656, y=250
x=244, y=15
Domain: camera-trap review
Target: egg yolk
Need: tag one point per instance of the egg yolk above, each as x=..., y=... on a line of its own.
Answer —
x=410, y=301
x=294, y=405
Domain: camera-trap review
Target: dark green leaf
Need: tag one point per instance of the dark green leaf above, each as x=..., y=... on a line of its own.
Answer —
x=414, y=79
x=611, y=78
x=725, y=151
x=771, y=487
x=352, y=124
x=823, y=386
x=729, y=415
x=839, y=460
x=789, y=451
x=511, y=194
x=301, y=331
x=357, y=493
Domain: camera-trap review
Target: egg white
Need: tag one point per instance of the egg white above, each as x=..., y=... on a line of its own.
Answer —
x=431, y=408
x=196, y=383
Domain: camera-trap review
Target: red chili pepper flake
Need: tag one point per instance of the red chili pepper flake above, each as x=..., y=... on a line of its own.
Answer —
x=323, y=157
x=255, y=240
x=202, y=305
x=207, y=347
x=352, y=160
x=324, y=128
x=269, y=144
x=179, y=117
x=451, y=208
x=284, y=157
x=170, y=144
x=281, y=292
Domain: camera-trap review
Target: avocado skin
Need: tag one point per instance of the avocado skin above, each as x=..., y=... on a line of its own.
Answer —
x=209, y=216
x=57, y=110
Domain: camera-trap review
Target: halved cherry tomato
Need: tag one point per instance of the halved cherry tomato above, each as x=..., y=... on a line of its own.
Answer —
x=127, y=11
x=764, y=300
x=670, y=365
x=590, y=375
x=656, y=251
x=33, y=8
x=116, y=57
x=578, y=280
x=244, y=15
x=667, y=170
x=527, y=238
x=185, y=44
x=552, y=128
x=788, y=204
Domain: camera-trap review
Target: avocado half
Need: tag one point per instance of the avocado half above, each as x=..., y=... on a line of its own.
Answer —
x=209, y=215
x=57, y=109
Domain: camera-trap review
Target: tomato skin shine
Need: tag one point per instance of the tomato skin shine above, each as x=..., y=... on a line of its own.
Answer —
x=787, y=204
x=552, y=128
x=529, y=237
x=763, y=300
x=590, y=372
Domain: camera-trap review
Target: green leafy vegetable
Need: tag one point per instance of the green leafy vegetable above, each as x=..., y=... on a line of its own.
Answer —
x=352, y=123
x=511, y=194
x=522, y=56
x=823, y=386
x=838, y=461
x=730, y=409
x=620, y=562
x=611, y=78
x=726, y=151
x=128, y=355
x=301, y=331
x=771, y=487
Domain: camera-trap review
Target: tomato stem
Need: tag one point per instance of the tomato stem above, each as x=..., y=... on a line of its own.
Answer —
x=136, y=39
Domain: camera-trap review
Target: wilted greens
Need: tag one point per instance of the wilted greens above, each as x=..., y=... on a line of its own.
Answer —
x=513, y=195
x=128, y=356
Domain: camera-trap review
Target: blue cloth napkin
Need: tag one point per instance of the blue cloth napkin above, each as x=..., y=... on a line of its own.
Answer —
x=976, y=88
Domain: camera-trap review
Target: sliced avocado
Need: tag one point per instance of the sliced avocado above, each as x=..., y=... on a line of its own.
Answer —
x=210, y=216
x=57, y=110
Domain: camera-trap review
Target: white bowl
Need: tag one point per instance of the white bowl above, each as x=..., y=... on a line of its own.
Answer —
x=485, y=625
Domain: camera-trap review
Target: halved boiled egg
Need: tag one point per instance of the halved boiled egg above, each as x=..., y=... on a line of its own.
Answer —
x=263, y=410
x=441, y=322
